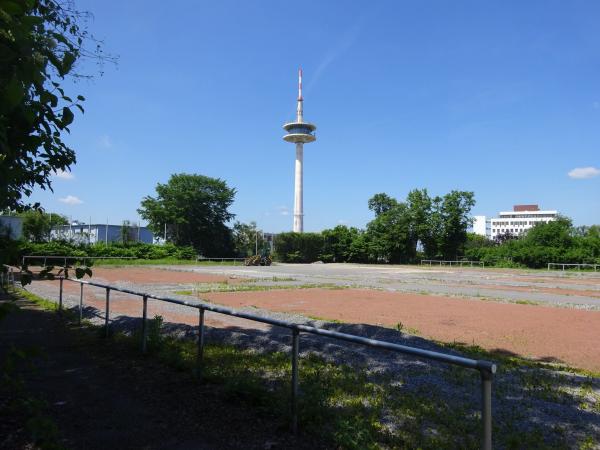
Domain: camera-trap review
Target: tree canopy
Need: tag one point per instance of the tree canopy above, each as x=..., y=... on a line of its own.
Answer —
x=40, y=43
x=395, y=235
x=37, y=224
x=248, y=240
x=554, y=242
x=194, y=210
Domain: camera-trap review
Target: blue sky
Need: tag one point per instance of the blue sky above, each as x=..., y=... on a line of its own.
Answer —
x=501, y=98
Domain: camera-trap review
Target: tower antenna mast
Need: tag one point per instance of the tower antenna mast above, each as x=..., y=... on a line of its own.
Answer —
x=299, y=133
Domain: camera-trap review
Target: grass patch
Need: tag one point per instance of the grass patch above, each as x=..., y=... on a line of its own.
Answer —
x=227, y=287
x=527, y=302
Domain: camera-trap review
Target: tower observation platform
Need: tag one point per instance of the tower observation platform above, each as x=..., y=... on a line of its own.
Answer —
x=299, y=133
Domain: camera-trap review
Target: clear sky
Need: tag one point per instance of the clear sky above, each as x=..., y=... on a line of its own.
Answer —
x=501, y=98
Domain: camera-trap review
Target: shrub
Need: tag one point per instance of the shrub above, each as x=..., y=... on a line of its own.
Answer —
x=298, y=247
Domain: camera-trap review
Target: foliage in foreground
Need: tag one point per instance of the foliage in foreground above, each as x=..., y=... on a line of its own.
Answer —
x=40, y=43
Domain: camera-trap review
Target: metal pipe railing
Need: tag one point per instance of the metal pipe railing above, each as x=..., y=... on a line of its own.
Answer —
x=486, y=369
x=221, y=260
x=64, y=259
x=455, y=262
x=579, y=266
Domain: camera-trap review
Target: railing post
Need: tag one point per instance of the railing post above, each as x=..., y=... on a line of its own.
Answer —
x=295, y=352
x=107, y=311
x=200, y=354
x=144, y=323
x=486, y=408
x=80, y=302
x=60, y=294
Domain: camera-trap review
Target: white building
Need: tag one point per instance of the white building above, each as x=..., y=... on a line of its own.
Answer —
x=82, y=233
x=481, y=226
x=519, y=220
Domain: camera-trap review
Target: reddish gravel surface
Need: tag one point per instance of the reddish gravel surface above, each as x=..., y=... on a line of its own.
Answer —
x=557, y=334
x=542, y=332
x=162, y=276
x=539, y=332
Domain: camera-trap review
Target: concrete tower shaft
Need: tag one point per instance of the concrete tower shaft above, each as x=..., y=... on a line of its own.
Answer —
x=299, y=190
x=299, y=133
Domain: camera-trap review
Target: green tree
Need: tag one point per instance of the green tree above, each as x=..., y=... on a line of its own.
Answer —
x=248, y=240
x=557, y=233
x=381, y=203
x=127, y=232
x=423, y=223
x=389, y=236
x=455, y=212
x=337, y=244
x=38, y=224
x=40, y=42
x=194, y=209
x=298, y=247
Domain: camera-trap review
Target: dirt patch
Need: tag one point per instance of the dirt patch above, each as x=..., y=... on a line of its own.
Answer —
x=540, y=332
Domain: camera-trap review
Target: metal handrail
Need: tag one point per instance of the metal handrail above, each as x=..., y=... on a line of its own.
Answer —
x=487, y=369
x=594, y=266
x=73, y=258
x=235, y=260
x=455, y=262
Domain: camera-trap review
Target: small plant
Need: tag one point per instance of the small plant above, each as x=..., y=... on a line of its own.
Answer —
x=399, y=327
x=155, y=338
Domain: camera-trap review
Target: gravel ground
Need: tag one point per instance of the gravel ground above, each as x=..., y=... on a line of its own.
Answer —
x=561, y=406
x=569, y=289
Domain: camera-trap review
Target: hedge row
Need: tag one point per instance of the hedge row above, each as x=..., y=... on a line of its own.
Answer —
x=13, y=252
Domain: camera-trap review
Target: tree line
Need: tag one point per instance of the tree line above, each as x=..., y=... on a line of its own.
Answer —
x=435, y=227
x=556, y=241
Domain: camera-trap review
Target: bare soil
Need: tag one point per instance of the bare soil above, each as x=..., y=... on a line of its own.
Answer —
x=144, y=275
x=539, y=332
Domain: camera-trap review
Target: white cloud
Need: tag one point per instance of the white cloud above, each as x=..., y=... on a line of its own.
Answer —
x=342, y=222
x=580, y=173
x=71, y=200
x=105, y=142
x=64, y=175
x=284, y=210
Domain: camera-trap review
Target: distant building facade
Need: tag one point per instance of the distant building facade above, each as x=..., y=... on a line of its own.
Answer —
x=481, y=226
x=516, y=222
x=11, y=226
x=82, y=233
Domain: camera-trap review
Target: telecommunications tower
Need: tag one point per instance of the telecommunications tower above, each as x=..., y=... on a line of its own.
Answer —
x=300, y=133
